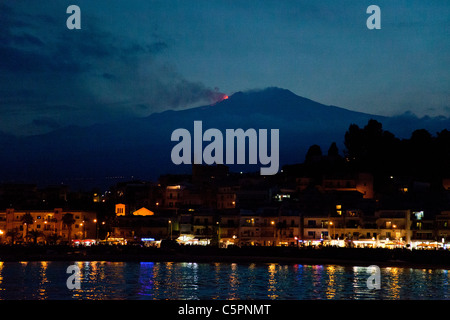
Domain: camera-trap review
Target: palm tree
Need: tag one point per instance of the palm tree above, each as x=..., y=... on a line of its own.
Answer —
x=12, y=234
x=52, y=238
x=68, y=221
x=27, y=219
x=280, y=226
x=35, y=234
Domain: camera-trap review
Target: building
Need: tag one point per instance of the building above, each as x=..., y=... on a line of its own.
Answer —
x=351, y=228
x=394, y=227
x=250, y=229
x=143, y=224
x=226, y=197
x=228, y=227
x=443, y=226
x=315, y=229
x=361, y=182
x=44, y=226
x=174, y=196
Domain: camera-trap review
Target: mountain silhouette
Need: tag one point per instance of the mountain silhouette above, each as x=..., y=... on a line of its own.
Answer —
x=141, y=147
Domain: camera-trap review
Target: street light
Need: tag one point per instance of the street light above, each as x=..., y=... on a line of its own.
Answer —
x=83, y=230
x=274, y=235
x=332, y=225
x=218, y=233
x=96, y=229
x=170, y=224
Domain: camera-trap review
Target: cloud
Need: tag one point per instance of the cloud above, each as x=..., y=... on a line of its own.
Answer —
x=46, y=122
x=94, y=74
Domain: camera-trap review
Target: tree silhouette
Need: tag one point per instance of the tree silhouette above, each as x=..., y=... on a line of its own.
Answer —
x=12, y=234
x=35, y=234
x=333, y=151
x=422, y=156
x=27, y=219
x=314, y=154
x=68, y=221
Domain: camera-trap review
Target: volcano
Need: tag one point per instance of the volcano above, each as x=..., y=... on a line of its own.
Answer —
x=141, y=147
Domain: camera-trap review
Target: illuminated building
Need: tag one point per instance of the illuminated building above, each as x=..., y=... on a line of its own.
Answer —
x=43, y=226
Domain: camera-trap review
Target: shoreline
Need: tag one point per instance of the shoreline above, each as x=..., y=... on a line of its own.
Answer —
x=423, y=259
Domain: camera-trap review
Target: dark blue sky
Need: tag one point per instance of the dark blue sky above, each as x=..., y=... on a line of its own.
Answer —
x=133, y=58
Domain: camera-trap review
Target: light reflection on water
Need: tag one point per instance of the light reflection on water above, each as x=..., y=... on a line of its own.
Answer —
x=189, y=280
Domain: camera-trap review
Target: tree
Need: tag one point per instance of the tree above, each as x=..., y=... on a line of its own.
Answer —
x=333, y=151
x=68, y=221
x=12, y=234
x=52, y=238
x=443, y=149
x=27, y=219
x=372, y=148
x=314, y=154
x=35, y=234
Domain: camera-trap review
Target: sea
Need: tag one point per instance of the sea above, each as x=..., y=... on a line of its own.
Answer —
x=103, y=280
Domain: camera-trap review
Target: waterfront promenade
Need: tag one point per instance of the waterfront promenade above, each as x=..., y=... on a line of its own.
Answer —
x=325, y=255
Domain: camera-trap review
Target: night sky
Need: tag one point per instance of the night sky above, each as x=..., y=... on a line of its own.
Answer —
x=133, y=58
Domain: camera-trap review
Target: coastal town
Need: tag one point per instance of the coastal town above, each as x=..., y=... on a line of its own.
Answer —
x=215, y=207
x=326, y=201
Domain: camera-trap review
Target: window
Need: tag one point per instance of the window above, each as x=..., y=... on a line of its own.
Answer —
x=38, y=217
x=38, y=226
x=311, y=223
x=418, y=214
x=311, y=234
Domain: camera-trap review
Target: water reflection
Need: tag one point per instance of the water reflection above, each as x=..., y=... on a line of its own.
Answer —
x=43, y=281
x=1, y=276
x=272, y=283
x=148, y=280
x=330, y=291
x=394, y=282
x=233, y=282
